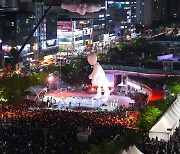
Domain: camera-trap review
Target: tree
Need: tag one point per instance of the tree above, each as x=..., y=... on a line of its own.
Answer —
x=103, y=148
x=15, y=87
x=114, y=55
x=162, y=104
x=77, y=72
x=51, y=68
x=174, y=86
x=148, y=116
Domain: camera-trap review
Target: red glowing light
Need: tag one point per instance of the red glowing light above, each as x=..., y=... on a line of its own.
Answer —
x=156, y=94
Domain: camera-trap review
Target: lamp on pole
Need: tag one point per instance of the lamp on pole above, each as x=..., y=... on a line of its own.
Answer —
x=50, y=81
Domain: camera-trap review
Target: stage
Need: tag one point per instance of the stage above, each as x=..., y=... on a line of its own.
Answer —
x=81, y=99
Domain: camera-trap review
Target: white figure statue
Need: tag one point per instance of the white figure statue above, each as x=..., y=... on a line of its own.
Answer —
x=98, y=76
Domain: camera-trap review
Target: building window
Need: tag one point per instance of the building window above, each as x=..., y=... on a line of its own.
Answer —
x=27, y=21
x=12, y=23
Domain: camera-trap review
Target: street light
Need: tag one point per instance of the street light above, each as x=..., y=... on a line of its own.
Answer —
x=50, y=80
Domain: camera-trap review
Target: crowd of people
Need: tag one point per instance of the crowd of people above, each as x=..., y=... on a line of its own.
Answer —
x=27, y=128
x=154, y=146
x=30, y=130
x=140, y=98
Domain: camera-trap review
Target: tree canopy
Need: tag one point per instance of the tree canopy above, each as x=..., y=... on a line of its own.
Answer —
x=13, y=88
x=148, y=117
x=122, y=52
x=174, y=86
x=77, y=72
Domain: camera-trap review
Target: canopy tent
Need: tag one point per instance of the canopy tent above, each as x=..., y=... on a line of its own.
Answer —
x=132, y=150
x=124, y=152
x=121, y=84
x=166, y=125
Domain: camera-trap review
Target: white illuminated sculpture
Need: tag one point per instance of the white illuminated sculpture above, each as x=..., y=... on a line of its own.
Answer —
x=98, y=77
x=81, y=8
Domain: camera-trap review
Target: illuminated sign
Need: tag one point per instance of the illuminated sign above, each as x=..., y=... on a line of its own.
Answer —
x=64, y=26
x=35, y=47
x=6, y=48
x=165, y=57
x=50, y=43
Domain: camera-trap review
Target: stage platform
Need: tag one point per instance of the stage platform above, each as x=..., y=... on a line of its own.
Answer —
x=76, y=99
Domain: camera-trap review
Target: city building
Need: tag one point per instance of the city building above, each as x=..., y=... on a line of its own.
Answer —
x=9, y=5
x=122, y=15
x=173, y=10
x=73, y=35
x=6, y=7
x=157, y=12
x=144, y=12
x=69, y=31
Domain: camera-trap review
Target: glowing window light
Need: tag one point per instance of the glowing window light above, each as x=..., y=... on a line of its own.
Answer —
x=110, y=2
x=101, y=16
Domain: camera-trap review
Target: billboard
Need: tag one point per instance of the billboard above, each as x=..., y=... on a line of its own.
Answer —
x=64, y=26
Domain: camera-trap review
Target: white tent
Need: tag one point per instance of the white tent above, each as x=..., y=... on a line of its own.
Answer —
x=160, y=129
x=174, y=116
x=166, y=125
x=121, y=84
x=134, y=150
x=124, y=152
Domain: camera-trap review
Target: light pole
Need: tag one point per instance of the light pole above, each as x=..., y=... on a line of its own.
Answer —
x=60, y=82
x=50, y=81
x=1, y=113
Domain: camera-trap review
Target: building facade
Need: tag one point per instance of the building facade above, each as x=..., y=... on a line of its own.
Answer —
x=123, y=14
x=157, y=12
x=173, y=10
x=9, y=5
x=144, y=12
